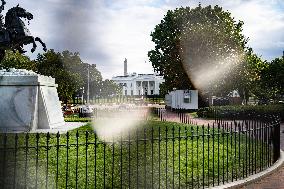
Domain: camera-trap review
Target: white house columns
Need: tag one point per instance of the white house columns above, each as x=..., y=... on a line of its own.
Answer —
x=139, y=84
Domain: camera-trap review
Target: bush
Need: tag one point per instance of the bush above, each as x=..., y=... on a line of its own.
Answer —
x=208, y=112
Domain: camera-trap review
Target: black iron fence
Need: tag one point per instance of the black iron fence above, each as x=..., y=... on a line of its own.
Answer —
x=159, y=154
x=137, y=99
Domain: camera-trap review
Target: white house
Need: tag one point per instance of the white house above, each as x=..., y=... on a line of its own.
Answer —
x=139, y=84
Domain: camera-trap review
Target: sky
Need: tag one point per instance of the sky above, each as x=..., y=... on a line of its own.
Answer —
x=105, y=32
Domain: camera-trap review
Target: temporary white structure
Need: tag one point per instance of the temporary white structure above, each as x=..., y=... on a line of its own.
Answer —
x=182, y=99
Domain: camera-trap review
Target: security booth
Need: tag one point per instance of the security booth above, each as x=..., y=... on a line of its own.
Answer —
x=182, y=99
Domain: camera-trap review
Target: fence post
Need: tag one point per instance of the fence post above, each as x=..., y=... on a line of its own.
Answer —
x=3, y=175
x=276, y=141
x=15, y=161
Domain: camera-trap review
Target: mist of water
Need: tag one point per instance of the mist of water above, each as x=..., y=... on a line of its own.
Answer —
x=209, y=57
x=112, y=125
x=213, y=74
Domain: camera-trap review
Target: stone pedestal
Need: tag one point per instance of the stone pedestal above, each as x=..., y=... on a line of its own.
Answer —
x=28, y=101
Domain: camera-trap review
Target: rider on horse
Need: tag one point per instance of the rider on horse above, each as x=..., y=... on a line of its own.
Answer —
x=14, y=33
x=1, y=16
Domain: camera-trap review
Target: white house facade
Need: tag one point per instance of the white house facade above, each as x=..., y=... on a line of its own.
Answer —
x=139, y=84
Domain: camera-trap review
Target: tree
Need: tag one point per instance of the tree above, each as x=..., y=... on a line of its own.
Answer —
x=73, y=63
x=95, y=79
x=51, y=64
x=249, y=82
x=70, y=73
x=198, y=48
x=109, y=88
x=17, y=60
x=272, y=78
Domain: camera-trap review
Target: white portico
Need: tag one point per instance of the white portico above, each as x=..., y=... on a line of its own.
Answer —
x=139, y=84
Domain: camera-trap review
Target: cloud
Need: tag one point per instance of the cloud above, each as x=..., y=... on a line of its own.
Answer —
x=263, y=22
x=264, y=25
x=125, y=33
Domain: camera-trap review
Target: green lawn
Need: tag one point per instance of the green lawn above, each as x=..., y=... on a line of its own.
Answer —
x=146, y=162
x=76, y=118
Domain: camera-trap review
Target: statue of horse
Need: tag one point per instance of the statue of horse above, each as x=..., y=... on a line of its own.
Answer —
x=14, y=33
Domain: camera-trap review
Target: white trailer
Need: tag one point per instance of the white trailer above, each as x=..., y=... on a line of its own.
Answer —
x=182, y=99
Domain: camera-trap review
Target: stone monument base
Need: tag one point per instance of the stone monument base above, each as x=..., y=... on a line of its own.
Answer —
x=28, y=101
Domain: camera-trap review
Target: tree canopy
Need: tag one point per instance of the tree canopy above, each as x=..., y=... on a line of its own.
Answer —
x=272, y=79
x=109, y=88
x=198, y=48
x=51, y=64
x=17, y=60
x=69, y=71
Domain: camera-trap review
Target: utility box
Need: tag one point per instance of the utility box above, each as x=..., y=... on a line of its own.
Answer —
x=182, y=99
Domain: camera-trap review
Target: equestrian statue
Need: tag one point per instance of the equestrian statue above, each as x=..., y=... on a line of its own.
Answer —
x=13, y=33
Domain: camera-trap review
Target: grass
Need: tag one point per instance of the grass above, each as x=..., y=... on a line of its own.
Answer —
x=76, y=118
x=193, y=114
x=147, y=162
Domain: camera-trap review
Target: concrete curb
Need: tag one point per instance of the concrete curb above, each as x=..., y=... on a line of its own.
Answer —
x=256, y=177
x=68, y=126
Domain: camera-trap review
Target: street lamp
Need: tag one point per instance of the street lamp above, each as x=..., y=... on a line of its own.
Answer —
x=88, y=90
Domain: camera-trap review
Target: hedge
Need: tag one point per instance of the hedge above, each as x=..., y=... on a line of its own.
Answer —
x=208, y=112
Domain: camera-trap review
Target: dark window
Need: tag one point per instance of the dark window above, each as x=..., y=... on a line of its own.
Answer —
x=186, y=96
x=186, y=100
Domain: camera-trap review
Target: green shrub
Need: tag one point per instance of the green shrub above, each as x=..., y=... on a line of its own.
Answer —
x=208, y=112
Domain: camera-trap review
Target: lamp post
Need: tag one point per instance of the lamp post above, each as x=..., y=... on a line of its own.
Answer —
x=88, y=90
x=83, y=92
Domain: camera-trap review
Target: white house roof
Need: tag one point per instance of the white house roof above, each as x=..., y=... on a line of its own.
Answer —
x=138, y=77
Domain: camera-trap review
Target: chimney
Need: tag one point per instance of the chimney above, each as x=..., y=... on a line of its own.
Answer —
x=125, y=67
